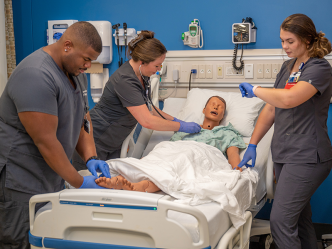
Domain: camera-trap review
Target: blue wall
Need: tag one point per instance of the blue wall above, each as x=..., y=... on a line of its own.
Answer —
x=169, y=19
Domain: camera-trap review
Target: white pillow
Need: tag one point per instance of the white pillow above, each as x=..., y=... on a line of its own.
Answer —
x=241, y=112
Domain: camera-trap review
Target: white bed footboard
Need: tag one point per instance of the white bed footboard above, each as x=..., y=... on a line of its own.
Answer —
x=93, y=218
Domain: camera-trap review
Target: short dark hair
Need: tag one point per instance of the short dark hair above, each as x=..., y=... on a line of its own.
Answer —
x=220, y=98
x=87, y=34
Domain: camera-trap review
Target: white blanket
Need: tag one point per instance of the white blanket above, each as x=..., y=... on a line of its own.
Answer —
x=194, y=173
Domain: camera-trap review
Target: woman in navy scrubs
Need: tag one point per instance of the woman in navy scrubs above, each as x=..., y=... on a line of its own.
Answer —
x=301, y=149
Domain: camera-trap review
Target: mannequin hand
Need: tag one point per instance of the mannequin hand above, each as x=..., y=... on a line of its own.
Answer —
x=250, y=154
x=95, y=166
x=247, y=90
x=89, y=182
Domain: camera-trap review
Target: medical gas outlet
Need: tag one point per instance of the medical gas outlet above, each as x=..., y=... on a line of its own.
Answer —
x=194, y=37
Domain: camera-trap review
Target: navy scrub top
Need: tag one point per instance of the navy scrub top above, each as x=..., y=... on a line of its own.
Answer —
x=300, y=133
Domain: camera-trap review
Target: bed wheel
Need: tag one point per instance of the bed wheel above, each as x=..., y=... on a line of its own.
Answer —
x=265, y=241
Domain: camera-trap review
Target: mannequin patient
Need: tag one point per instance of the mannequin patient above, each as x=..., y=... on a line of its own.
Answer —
x=225, y=138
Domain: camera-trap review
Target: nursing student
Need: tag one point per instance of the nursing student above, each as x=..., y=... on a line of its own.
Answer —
x=43, y=118
x=301, y=149
x=126, y=101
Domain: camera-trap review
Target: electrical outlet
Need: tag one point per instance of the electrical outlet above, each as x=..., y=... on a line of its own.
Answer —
x=184, y=74
x=201, y=71
x=260, y=71
x=275, y=70
x=209, y=72
x=267, y=71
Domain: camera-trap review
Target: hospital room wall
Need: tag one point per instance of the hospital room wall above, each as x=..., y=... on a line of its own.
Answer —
x=168, y=20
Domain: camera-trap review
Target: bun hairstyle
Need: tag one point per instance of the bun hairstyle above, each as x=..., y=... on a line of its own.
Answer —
x=145, y=47
x=304, y=28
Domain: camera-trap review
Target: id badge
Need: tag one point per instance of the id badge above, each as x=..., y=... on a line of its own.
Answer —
x=86, y=125
x=292, y=80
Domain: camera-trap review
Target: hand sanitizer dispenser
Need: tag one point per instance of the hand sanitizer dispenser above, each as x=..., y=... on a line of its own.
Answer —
x=104, y=29
x=99, y=75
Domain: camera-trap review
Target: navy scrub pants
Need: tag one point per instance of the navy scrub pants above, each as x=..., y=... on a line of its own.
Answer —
x=290, y=219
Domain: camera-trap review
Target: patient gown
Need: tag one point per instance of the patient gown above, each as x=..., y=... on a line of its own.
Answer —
x=221, y=137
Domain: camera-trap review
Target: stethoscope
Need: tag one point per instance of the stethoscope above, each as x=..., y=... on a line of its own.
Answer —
x=147, y=97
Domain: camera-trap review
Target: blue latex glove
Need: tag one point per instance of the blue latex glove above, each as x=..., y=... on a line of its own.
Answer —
x=247, y=90
x=188, y=127
x=89, y=182
x=250, y=154
x=95, y=166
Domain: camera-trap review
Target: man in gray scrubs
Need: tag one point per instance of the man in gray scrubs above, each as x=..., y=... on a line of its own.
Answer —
x=43, y=118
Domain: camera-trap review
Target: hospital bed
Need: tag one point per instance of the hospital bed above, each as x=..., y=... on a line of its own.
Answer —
x=75, y=218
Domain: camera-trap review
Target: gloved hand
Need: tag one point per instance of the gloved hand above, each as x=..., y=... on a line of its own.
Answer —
x=250, y=154
x=89, y=182
x=188, y=127
x=95, y=166
x=247, y=90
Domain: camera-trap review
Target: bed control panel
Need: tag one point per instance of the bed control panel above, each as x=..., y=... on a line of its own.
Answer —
x=109, y=198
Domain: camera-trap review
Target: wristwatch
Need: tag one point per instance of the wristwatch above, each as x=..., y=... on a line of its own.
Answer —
x=90, y=158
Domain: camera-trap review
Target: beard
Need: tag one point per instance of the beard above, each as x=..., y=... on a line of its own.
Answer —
x=68, y=65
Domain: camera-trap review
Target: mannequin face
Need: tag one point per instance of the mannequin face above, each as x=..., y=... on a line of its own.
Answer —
x=293, y=46
x=152, y=67
x=214, y=110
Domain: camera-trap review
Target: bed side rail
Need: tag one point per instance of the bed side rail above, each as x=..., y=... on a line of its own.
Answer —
x=237, y=238
x=136, y=142
x=204, y=240
x=270, y=185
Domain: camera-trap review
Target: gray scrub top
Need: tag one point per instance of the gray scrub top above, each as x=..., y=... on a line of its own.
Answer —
x=111, y=120
x=38, y=85
x=300, y=133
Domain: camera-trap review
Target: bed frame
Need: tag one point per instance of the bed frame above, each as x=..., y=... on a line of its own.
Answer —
x=120, y=219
